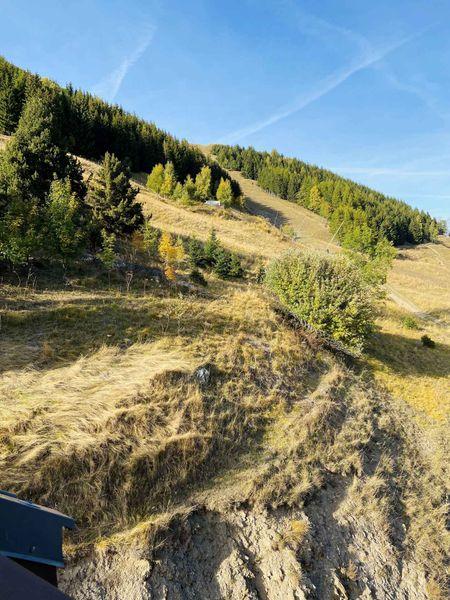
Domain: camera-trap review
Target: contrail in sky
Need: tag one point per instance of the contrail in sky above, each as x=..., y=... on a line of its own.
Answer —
x=324, y=87
x=109, y=87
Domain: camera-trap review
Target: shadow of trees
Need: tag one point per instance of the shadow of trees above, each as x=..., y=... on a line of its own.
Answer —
x=407, y=356
x=79, y=325
x=261, y=210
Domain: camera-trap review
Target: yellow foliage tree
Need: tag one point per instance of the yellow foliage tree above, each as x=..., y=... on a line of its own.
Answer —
x=172, y=252
x=170, y=273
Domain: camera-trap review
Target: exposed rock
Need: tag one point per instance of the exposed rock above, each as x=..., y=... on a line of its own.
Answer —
x=249, y=555
x=203, y=375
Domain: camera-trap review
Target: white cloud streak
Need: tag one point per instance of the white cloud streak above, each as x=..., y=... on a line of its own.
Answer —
x=396, y=172
x=420, y=90
x=109, y=86
x=325, y=86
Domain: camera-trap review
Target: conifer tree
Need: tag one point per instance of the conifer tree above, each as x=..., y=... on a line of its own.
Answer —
x=172, y=253
x=156, y=178
x=315, y=199
x=189, y=191
x=222, y=265
x=178, y=191
x=224, y=193
x=32, y=160
x=236, y=269
x=112, y=198
x=212, y=246
x=203, y=184
x=107, y=254
x=196, y=253
x=169, y=181
x=150, y=239
x=64, y=221
x=9, y=110
x=35, y=156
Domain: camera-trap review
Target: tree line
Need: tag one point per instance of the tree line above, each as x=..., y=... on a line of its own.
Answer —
x=88, y=126
x=163, y=181
x=47, y=211
x=362, y=219
x=200, y=256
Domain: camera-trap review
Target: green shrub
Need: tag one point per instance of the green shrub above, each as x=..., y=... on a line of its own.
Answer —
x=427, y=341
x=107, y=254
x=211, y=248
x=222, y=265
x=225, y=264
x=329, y=293
x=151, y=237
x=196, y=254
x=410, y=323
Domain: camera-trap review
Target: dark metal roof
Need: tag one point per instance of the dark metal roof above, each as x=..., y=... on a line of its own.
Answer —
x=17, y=583
x=31, y=532
x=64, y=519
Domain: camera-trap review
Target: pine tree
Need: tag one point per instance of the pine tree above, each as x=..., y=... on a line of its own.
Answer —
x=188, y=195
x=223, y=262
x=224, y=193
x=35, y=156
x=9, y=109
x=64, y=221
x=150, y=239
x=196, y=253
x=315, y=199
x=169, y=181
x=211, y=249
x=112, y=198
x=236, y=269
x=156, y=178
x=178, y=191
x=203, y=184
x=31, y=162
x=107, y=255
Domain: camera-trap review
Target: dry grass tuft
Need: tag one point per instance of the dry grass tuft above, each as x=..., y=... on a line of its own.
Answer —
x=297, y=532
x=114, y=435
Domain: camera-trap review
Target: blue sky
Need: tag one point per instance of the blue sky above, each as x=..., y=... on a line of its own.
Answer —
x=357, y=86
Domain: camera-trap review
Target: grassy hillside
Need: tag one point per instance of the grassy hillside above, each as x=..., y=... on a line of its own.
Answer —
x=104, y=416
x=169, y=411
x=360, y=217
x=418, y=286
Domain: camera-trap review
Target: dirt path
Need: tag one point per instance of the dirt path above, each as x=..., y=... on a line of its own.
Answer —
x=411, y=307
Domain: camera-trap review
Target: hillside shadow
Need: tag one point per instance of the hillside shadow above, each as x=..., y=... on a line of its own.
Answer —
x=261, y=210
x=140, y=178
x=80, y=326
x=408, y=356
x=442, y=314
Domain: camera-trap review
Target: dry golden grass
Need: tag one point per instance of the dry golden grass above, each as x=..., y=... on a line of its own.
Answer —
x=114, y=428
x=111, y=432
x=411, y=372
x=104, y=418
x=421, y=274
x=419, y=284
x=310, y=230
